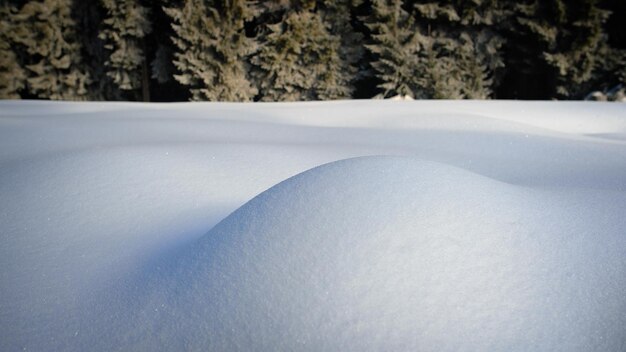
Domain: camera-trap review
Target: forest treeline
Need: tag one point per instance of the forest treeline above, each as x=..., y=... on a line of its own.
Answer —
x=293, y=50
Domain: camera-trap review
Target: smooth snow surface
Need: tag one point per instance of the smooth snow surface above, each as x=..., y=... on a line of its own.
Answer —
x=435, y=226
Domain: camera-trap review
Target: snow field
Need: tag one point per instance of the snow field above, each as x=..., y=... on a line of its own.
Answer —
x=479, y=226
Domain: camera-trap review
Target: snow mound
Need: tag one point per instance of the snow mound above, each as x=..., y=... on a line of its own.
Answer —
x=388, y=253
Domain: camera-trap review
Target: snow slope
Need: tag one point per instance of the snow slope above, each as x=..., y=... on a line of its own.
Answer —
x=481, y=226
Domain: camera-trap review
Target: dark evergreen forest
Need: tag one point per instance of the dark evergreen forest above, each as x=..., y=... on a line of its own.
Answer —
x=295, y=50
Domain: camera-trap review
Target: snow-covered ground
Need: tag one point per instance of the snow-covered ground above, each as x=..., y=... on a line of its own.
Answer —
x=431, y=226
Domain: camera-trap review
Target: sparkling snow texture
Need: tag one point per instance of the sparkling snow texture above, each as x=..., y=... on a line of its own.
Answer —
x=492, y=226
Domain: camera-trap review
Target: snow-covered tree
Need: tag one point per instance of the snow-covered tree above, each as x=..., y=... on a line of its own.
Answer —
x=123, y=30
x=434, y=50
x=12, y=75
x=46, y=31
x=299, y=58
x=394, y=45
x=212, y=49
x=476, y=81
x=463, y=38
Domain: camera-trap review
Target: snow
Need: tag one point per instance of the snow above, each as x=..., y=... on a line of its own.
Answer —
x=430, y=225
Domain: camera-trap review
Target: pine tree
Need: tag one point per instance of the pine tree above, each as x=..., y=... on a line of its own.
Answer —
x=620, y=66
x=123, y=31
x=162, y=64
x=337, y=14
x=432, y=50
x=299, y=58
x=464, y=39
x=160, y=51
x=89, y=16
x=476, y=75
x=613, y=68
x=578, y=63
x=560, y=43
x=12, y=75
x=46, y=32
x=394, y=44
x=440, y=74
x=212, y=49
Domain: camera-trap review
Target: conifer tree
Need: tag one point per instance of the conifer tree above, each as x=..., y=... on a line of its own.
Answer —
x=12, y=75
x=463, y=37
x=611, y=75
x=46, y=32
x=161, y=50
x=88, y=16
x=476, y=76
x=299, y=58
x=564, y=39
x=162, y=64
x=337, y=14
x=123, y=30
x=445, y=49
x=212, y=49
x=620, y=66
x=440, y=76
x=394, y=44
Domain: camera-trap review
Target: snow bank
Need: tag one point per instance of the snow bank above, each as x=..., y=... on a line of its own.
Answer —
x=385, y=253
x=490, y=225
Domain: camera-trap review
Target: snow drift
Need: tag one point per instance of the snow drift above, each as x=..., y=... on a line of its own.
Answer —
x=385, y=253
x=491, y=226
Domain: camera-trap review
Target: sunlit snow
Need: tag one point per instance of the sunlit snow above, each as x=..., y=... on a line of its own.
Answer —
x=364, y=225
